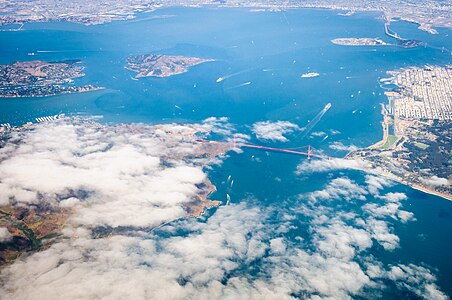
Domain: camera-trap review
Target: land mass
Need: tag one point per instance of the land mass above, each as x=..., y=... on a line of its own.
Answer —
x=157, y=65
x=32, y=228
x=416, y=148
x=39, y=79
x=359, y=42
x=426, y=13
x=35, y=227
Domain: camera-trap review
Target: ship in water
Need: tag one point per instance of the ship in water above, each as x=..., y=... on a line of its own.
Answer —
x=228, y=201
x=310, y=75
x=220, y=79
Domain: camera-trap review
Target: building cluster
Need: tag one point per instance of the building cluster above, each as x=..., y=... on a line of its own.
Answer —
x=40, y=79
x=78, y=11
x=39, y=72
x=46, y=90
x=424, y=93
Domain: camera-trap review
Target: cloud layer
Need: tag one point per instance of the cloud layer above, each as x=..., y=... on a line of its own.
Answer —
x=5, y=235
x=311, y=166
x=312, y=246
x=115, y=176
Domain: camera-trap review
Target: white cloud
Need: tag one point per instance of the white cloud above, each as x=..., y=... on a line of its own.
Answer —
x=120, y=170
x=274, y=131
x=389, y=210
x=340, y=188
x=376, y=183
x=393, y=206
x=314, y=274
x=435, y=181
x=381, y=233
x=5, y=235
x=318, y=133
x=394, y=197
x=277, y=246
x=342, y=241
x=123, y=267
x=136, y=177
x=218, y=125
x=416, y=279
x=341, y=147
x=69, y=202
x=326, y=165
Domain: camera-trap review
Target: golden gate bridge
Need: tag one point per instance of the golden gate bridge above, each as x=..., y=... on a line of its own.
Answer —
x=309, y=152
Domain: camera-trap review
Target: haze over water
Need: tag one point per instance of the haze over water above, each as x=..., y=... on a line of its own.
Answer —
x=270, y=50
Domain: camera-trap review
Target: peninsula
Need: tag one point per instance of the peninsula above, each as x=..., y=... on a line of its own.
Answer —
x=39, y=79
x=157, y=65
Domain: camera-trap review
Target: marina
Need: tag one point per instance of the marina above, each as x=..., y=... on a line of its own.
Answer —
x=49, y=118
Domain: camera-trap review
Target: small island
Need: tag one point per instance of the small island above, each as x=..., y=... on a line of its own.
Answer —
x=359, y=42
x=40, y=79
x=157, y=65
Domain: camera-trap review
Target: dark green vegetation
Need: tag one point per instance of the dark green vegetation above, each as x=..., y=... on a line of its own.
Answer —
x=434, y=155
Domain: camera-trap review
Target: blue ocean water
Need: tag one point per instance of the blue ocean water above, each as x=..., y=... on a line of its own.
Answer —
x=271, y=50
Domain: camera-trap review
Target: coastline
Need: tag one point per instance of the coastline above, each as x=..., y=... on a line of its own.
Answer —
x=431, y=192
x=384, y=125
x=415, y=186
x=375, y=171
x=392, y=167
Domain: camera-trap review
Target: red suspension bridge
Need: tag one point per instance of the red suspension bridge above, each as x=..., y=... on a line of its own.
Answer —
x=309, y=152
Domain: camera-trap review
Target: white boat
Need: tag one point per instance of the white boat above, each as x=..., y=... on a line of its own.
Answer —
x=310, y=75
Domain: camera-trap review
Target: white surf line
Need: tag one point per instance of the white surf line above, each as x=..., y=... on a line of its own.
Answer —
x=240, y=85
x=220, y=79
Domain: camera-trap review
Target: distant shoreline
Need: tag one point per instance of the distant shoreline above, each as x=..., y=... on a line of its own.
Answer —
x=425, y=24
